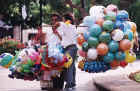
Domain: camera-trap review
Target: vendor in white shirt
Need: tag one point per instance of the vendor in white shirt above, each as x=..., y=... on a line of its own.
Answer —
x=53, y=38
x=68, y=33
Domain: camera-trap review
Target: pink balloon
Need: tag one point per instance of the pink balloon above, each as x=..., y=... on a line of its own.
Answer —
x=82, y=53
x=112, y=8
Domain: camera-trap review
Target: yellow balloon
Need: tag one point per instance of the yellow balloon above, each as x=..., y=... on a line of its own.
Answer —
x=130, y=57
x=70, y=60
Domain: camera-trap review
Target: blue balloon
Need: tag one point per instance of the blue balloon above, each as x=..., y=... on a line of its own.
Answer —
x=86, y=66
x=95, y=30
x=88, y=21
x=120, y=56
x=129, y=35
x=122, y=15
x=126, y=26
x=108, y=58
x=113, y=46
x=118, y=24
x=86, y=35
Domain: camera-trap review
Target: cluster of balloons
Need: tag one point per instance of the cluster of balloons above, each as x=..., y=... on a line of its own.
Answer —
x=21, y=65
x=53, y=57
x=109, y=38
x=94, y=66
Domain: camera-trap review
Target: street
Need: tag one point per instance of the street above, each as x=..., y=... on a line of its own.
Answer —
x=115, y=80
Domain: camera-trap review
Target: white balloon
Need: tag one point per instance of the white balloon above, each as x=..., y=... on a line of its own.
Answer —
x=97, y=12
x=92, y=54
x=117, y=35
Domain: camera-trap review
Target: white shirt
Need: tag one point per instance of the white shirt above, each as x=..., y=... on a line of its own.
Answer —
x=52, y=38
x=68, y=34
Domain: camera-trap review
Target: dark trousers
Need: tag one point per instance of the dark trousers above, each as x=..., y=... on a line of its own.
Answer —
x=69, y=74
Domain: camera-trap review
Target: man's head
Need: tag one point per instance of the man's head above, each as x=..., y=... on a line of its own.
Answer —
x=55, y=18
x=68, y=16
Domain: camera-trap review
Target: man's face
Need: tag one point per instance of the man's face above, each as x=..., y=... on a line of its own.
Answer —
x=54, y=19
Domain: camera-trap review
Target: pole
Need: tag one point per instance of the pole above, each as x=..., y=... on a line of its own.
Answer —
x=83, y=3
x=41, y=13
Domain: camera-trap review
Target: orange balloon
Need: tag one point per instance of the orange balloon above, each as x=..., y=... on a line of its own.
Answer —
x=125, y=44
x=80, y=39
x=81, y=64
x=114, y=64
x=133, y=27
x=102, y=49
x=100, y=22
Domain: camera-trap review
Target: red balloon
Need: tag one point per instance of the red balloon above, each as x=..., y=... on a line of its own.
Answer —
x=125, y=44
x=82, y=53
x=114, y=64
x=102, y=49
x=80, y=39
x=123, y=63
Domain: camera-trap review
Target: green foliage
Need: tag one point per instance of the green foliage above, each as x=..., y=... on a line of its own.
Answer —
x=134, y=11
x=107, y=2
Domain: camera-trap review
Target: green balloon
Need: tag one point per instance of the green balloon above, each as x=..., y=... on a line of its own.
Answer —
x=108, y=25
x=25, y=66
x=95, y=30
x=30, y=62
x=110, y=16
x=27, y=71
x=85, y=46
x=93, y=42
x=105, y=37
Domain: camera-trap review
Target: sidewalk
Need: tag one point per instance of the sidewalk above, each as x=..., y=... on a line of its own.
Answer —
x=117, y=80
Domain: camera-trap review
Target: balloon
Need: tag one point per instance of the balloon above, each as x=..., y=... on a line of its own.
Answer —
x=108, y=57
x=114, y=64
x=86, y=35
x=117, y=35
x=81, y=65
x=70, y=60
x=97, y=12
x=85, y=46
x=92, y=41
x=92, y=54
x=113, y=46
x=80, y=39
x=120, y=56
x=119, y=24
x=123, y=63
x=6, y=60
x=95, y=30
x=110, y=16
x=130, y=57
x=102, y=49
x=89, y=21
x=105, y=37
x=128, y=35
x=126, y=26
x=125, y=44
x=133, y=26
x=122, y=15
x=82, y=53
x=108, y=25
x=100, y=22
x=112, y=7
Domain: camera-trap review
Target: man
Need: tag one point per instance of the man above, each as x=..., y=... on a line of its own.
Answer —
x=68, y=41
x=52, y=37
